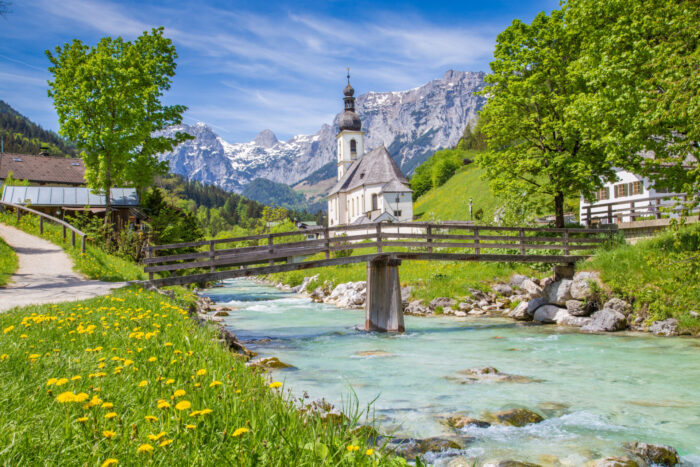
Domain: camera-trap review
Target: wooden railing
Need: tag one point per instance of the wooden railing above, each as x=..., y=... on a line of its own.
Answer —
x=431, y=241
x=654, y=207
x=65, y=225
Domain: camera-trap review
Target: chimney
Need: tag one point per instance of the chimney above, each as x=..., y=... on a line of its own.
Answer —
x=44, y=150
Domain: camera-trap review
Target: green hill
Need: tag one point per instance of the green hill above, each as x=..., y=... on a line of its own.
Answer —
x=451, y=200
x=21, y=135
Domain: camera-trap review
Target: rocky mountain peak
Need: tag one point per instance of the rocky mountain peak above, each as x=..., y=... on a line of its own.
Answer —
x=266, y=139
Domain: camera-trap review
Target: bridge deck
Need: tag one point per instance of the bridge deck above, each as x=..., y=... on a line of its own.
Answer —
x=289, y=251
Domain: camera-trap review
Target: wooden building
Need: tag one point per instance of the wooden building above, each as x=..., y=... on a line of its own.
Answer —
x=42, y=169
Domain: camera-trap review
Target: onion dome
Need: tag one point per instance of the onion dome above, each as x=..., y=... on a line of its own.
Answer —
x=349, y=119
x=348, y=91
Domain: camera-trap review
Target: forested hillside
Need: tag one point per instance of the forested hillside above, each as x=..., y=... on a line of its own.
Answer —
x=22, y=136
x=279, y=194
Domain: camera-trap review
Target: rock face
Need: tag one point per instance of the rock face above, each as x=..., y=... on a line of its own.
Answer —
x=655, y=453
x=547, y=314
x=521, y=312
x=606, y=320
x=580, y=287
x=411, y=123
x=558, y=292
x=667, y=327
x=517, y=417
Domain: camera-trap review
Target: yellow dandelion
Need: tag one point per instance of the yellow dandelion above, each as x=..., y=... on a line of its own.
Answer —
x=206, y=411
x=150, y=418
x=215, y=383
x=170, y=381
x=81, y=419
x=65, y=397
x=240, y=431
x=152, y=359
x=165, y=442
x=34, y=356
x=108, y=434
x=197, y=385
x=179, y=393
x=81, y=397
x=147, y=448
x=275, y=385
x=163, y=404
x=352, y=448
x=369, y=452
x=156, y=437
x=143, y=383
x=51, y=381
x=109, y=462
x=4, y=357
x=168, y=344
x=201, y=372
x=7, y=329
x=76, y=378
x=110, y=415
x=107, y=405
x=183, y=405
x=190, y=427
x=195, y=413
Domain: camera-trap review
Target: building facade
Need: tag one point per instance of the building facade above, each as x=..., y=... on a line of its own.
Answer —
x=370, y=186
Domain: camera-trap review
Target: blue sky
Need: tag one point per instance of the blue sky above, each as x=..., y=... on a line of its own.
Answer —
x=249, y=65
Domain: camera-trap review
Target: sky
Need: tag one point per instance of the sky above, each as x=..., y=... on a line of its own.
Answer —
x=245, y=66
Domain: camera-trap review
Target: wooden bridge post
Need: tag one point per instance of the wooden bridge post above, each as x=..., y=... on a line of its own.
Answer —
x=18, y=214
x=83, y=244
x=212, y=256
x=477, y=250
x=522, y=242
x=41, y=225
x=428, y=233
x=149, y=254
x=379, y=237
x=383, y=308
x=566, y=242
x=610, y=216
x=327, y=243
x=271, y=248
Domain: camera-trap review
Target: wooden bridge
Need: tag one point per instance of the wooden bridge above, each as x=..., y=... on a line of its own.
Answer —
x=382, y=246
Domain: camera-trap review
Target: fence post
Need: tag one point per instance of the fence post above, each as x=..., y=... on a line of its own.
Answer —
x=477, y=250
x=379, y=237
x=212, y=256
x=588, y=216
x=64, y=233
x=41, y=225
x=149, y=254
x=658, y=211
x=566, y=242
x=72, y=236
x=429, y=232
x=82, y=247
x=610, y=217
x=271, y=248
x=522, y=242
x=17, y=210
x=632, y=216
x=327, y=243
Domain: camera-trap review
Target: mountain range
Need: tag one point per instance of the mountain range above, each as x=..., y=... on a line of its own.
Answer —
x=412, y=124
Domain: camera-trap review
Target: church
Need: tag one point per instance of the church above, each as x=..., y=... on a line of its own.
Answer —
x=370, y=187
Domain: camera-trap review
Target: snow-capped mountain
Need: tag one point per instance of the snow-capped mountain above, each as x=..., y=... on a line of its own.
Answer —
x=412, y=125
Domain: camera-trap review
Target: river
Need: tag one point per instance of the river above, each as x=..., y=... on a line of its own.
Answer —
x=595, y=391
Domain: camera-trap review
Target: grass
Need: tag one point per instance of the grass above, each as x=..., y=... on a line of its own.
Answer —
x=95, y=263
x=660, y=276
x=130, y=377
x=451, y=200
x=8, y=262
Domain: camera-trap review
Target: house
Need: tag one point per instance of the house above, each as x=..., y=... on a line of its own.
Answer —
x=61, y=201
x=370, y=187
x=42, y=169
x=627, y=199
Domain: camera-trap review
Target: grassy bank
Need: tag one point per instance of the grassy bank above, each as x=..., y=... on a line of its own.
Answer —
x=95, y=263
x=8, y=262
x=129, y=378
x=428, y=279
x=660, y=276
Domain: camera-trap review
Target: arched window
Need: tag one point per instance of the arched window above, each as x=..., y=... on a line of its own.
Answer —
x=353, y=147
x=374, y=202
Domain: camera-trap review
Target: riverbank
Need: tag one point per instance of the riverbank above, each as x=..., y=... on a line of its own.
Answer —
x=134, y=378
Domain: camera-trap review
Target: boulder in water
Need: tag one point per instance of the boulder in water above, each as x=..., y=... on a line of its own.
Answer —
x=270, y=363
x=606, y=320
x=517, y=417
x=658, y=454
x=667, y=327
x=412, y=448
x=547, y=314
x=521, y=312
x=558, y=292
x=532, y=289
x=488, y=374
x=461, y=421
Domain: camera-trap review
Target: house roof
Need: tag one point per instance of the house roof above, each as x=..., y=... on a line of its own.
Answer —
x=375, y=167
x=42, y=169
x=395, y=186
x=67, y=196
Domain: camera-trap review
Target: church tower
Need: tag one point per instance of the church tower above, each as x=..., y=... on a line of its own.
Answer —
x=351, y=139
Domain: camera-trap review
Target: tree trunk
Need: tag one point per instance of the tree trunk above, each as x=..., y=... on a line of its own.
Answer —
x=559, y=210
x=108, y=202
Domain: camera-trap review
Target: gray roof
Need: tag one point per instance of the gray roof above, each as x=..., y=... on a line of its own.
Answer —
x=395, y=186
x=374, y=168
x=67, y=196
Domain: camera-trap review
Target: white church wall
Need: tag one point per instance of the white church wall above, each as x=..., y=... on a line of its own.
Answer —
x=404, y=205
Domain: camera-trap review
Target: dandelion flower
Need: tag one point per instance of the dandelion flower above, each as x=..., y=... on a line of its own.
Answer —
x=109, y=462
x=81, y=419
x=369, y=452
x=170, y=381
x=108, y=434
x=156, y=437
x=152, y=359
x=150, y=418
x=76, y=377
x=51, y=381
x=81, y=397
x=61, y=381
x=190, y=427
x=179, y=393
x=143, y=383
x=145, y=448
x=239, y=432
x=65, y=397
x=201, y=372
x=352, y=448
x=275, y=385
x=165, y=442
x=183, y=405
x=107, y=405
x=110, y=415
x=215, y=383
x=163, y=404
x=7, y=329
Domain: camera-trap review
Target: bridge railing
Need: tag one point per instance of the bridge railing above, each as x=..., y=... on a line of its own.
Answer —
x=654, y=207
x=354, y=243
x=65, y=225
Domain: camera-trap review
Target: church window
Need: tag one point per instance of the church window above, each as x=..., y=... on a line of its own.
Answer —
x=374, y=202
x=397, y=213
x=353, y=147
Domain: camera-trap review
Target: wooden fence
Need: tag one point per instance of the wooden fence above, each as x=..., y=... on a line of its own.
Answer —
x=654, y=207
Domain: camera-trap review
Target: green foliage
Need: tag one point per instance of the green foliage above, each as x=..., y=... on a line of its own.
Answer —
x=108, y=101
x=8, y=262
x=22, y=136
x=439, y=168
x=249, y=421
x=167, y=223
x=534, y=150
x=473, y=137
x=10, y=181
x=278, y=194
x=660, y=275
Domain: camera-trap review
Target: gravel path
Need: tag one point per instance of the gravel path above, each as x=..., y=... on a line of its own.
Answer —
x=45, y=274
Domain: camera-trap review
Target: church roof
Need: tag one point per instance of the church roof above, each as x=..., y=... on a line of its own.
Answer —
x=375, y=167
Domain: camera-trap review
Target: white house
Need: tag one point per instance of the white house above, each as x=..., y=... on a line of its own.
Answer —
x=370, y=187
x=627, y=199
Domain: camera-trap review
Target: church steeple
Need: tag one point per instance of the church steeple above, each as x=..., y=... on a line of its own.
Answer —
x=349, y=120
x=351, y=139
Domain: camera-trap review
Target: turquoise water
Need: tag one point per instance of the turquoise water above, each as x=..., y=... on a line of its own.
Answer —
x=595, y=391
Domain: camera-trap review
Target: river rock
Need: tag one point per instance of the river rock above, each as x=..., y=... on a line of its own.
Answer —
x=546, y=281
x=532, y=289
x=547, y=314
x=221, y=313
x=581, y=287
x=510, y=463
x=517, y=280
x=521, y=312
x=305, y=283
x=374, y=353
x=517, y=417
x=460, y=421
x=613, y=462
x=575, y=308
x=488, y=374
x=441, y=301
x=502, y=289
x=564, y=318
x=412, y=448
x=557, y=293
x=654, y=453
x=618, y=305
x=606, y=320
x=318, y=295
x=564, y=271
x=460, y=314
x=465, y=306
x=417, y=308
x=667, y=327
x=270, y=363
